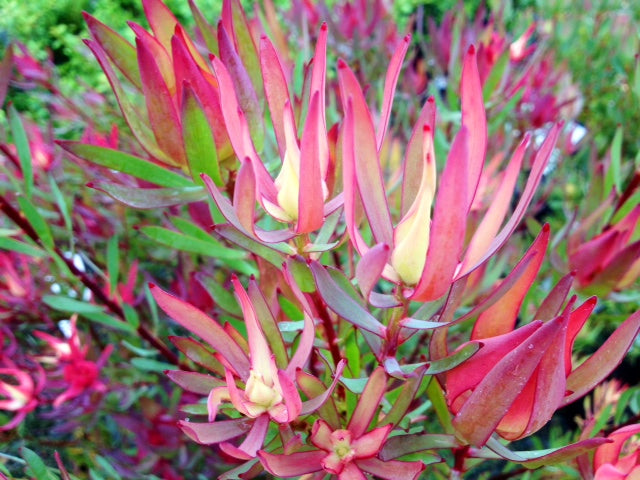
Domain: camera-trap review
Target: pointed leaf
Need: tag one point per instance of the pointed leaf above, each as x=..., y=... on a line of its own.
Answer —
x=149, y=198
x=539, y=458
x=449, y=224
x=365, y=154
x=391, y=79
x=121, y=52
x=200, y=324
x=312, y=150
x=597, y=367
x=501, y=317
x=370, y=268
x=368, y=402
x=216, y=432
x=474, y=119
x=276, y=89
x=199, y=144
x=163, y=117
x=125, y=163
x=341, y=303
x=493, y=396
x=195, y=382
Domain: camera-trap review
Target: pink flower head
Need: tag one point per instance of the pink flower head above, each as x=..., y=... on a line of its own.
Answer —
x=267, y=392
x=67, y=350
x=298, y=195
x=428, y=251
x=347, y=452
x=20, y=397
x=620, y=459
x=79, y=374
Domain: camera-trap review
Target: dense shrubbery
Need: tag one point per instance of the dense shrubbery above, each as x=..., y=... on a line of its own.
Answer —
x=300, y=242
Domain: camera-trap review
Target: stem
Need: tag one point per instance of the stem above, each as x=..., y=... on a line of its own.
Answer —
x=332, y=340
x=95, y=289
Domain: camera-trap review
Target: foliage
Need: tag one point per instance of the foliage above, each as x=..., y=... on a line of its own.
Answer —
x=301, y=242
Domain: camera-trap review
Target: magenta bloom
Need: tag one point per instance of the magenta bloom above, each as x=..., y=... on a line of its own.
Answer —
x=20, y=397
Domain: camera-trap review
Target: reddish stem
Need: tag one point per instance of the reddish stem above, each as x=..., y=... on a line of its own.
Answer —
x=95, y=289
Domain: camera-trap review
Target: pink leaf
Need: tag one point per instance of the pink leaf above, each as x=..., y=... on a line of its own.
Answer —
x=163, y=116
x=367, y=164
x=161, y=20
x=414, y=156
x=370, y=268
x=369, y=402
x=253, y=441
x=448, y=226
x=312, y=150
x=275, y=88
x=494, y=395
x=539, y=163
x=197, y=322
x=293, y=464
x=216, y=432
x=318, y=401
x=607, y=357
x=474, y=119
x=195, y=382
x=391, y=79
x=501, y=317
x=391, y=470
x=493, y=218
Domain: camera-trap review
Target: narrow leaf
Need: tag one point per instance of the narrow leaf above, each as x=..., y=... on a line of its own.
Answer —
x=125, y=163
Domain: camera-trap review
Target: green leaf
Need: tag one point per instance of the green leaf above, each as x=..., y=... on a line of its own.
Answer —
x=180, y=241
x=148, y=198
x=125, y=163
x=193, y=230
x=67, y=304
x=36, y=221
x=21, y=247
x=131, y=316
x=37, y=468
x=453, y=360
x=106, y=468
x=496, y=76
x=222, y=296
x=151, y=365
x=63, y=206
x=199, y=144
x=22, y=146
x=108, y=321
x=614, y=176
x=113, y=262
x=266, y=252
x=302, y=275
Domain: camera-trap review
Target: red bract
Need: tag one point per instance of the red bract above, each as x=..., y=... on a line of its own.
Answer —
x=181, y=95
x=617, y=461
x=520, y=376
x=298, y=195
x=269, y=392
x=428, y=254
x=610, y=260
